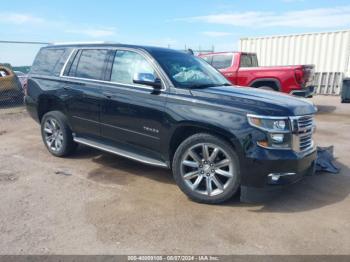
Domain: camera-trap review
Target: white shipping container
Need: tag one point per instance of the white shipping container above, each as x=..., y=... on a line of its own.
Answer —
x=328, y=51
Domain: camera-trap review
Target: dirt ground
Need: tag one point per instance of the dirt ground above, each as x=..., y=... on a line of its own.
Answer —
x=98, y=203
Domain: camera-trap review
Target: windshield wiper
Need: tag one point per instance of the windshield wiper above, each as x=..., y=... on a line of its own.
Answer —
x=208, y=85
x=200, y=86
x=222, y=84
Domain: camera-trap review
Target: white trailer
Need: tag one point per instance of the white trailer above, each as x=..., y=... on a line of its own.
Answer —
x=328, y=51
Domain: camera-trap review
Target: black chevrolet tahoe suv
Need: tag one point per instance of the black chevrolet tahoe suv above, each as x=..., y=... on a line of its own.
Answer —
x=170, y=109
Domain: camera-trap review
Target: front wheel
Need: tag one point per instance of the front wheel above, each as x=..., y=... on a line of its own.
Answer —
x=206, y=168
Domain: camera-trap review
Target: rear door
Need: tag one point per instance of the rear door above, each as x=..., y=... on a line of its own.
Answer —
x=132, y=114
x=223, y=62
x=246, y=68
x=82, y=81
x=207, y=58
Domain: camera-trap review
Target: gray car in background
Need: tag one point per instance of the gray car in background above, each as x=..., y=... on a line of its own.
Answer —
x=22, y=77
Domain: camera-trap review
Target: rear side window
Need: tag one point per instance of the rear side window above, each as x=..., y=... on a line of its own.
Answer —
x=91, y=64
x=73, y=64
x=249, y=60
x=47, y=61
x=222, y=61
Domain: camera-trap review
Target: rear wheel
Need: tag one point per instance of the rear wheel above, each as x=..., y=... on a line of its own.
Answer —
x=56, y=134
x=206, y=168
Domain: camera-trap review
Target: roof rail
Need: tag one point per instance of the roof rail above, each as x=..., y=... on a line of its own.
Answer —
x=83, y=43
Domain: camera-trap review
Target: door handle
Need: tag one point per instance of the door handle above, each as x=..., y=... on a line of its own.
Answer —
x=108, y=94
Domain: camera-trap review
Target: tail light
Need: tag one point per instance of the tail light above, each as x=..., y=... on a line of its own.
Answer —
x=25, y=86
x=304, y=75
x=300, y=76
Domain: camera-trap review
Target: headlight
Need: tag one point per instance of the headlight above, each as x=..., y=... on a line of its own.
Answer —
x=277, y=129
x=276, y=124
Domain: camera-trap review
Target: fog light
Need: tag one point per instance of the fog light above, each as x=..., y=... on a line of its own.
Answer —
x=277, y=138
x=274, y=178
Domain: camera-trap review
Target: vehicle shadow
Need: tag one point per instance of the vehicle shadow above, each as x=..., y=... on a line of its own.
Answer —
x=113, y=168
x=323, y=109
x=313, y=192
x=85, y=152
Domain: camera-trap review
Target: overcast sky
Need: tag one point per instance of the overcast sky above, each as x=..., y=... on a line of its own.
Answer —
x=196, y=24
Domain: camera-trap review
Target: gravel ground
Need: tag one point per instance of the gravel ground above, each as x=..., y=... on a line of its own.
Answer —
x=97, y=203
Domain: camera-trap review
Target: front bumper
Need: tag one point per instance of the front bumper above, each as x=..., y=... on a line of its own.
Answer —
x=272, y=170
x=306, y=92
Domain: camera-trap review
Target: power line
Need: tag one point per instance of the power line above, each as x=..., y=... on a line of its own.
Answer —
x=24, y=42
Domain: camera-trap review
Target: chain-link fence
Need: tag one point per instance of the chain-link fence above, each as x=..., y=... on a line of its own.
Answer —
x=11, y=90
x=15, y=60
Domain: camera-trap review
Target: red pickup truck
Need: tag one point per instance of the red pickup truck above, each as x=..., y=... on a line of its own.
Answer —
x=242, y=69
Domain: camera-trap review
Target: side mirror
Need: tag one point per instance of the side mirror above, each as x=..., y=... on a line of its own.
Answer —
x=147, y=79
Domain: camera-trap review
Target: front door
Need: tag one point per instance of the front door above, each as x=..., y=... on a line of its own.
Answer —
x=132, y=114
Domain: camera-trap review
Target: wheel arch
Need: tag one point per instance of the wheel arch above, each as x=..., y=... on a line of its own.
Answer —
x=185, y=130
x=272, y=82
x=47, y=103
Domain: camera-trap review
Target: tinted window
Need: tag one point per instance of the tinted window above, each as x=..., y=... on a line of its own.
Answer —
x=91, y=64
x=249, y=60
x=188, y=71
x=222, y=61
x=72, y=65
x=46, y=61
x=127, y=64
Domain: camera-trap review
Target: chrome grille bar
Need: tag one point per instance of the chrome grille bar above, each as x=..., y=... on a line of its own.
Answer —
x=303, y=127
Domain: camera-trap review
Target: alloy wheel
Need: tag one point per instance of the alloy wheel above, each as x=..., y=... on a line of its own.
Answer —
x=207, y=169
x=53, y=134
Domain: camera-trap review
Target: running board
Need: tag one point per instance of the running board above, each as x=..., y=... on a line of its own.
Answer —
x=120, y=152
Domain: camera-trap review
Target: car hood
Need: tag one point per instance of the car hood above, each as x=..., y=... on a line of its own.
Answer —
x=256, y=101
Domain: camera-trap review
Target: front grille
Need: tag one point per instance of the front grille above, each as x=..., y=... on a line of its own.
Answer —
x=305, y=128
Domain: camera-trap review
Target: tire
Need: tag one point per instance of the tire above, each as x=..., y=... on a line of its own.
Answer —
x=54, y=123
x=266, y=88
x=199, y=175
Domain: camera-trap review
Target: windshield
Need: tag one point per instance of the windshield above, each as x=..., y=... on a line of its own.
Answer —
x=188, y=71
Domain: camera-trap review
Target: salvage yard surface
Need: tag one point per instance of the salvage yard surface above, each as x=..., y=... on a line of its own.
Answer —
x=98, y=203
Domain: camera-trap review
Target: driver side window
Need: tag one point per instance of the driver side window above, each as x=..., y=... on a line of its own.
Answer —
x=127, y=64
